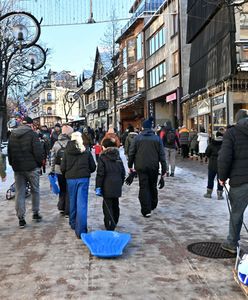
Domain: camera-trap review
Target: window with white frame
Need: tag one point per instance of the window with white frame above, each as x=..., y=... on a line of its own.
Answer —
x=124, y=57
x=157, y=75
x=140, y=80
x=139, y=47
x=124, y=88
x=49, y=97
x=156, y=41
x=131, y=51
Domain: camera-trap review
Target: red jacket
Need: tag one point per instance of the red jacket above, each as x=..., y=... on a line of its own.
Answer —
x=98, y=149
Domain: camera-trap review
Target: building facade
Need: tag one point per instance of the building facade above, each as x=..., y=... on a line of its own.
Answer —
x=132, y=106
x=46, y=101
x=218, y=65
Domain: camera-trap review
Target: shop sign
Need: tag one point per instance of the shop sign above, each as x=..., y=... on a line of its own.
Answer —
x=193, y=112
x=171, y=97
x=151, y=108
x=218, y=100
x=203, y=107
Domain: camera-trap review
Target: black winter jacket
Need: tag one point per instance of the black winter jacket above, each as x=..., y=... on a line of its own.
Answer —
x=233, y=155
x=25, y=152
x=146, y=151
x=212, y=152
x=76, y=164
x=110, y=173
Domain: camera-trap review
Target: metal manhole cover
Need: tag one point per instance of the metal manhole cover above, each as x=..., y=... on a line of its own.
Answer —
x=209, y=249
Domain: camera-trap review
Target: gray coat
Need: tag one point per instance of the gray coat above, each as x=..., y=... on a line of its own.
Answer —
x=62, y=142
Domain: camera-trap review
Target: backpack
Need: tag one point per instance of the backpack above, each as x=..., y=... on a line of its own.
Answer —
x=59, y=154
x=170, y=137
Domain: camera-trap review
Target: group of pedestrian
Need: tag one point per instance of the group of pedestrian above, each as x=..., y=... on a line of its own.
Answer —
x=148, y=154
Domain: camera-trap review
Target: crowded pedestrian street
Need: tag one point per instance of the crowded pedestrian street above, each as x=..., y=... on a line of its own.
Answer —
x=46, y=260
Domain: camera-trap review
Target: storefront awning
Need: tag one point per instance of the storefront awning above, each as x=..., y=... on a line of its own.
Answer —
x=130, y=101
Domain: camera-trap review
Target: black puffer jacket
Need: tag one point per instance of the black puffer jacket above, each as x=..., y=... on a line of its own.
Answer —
x=110, y=173
x=146, y=151
x=212, y=152
x=76, y=164
x=233, y=155
x=25, y=152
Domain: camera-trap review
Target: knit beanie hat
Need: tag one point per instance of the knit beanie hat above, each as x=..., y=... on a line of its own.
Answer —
x=66, y=129
x=147, y=124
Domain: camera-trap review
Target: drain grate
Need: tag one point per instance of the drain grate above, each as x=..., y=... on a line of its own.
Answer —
x=209, y=249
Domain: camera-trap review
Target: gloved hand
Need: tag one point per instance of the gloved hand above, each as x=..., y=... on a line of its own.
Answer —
x=99, y=191
x=161, y=182
x=130, y=178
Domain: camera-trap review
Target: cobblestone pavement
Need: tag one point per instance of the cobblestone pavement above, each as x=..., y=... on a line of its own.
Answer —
x=46, y=261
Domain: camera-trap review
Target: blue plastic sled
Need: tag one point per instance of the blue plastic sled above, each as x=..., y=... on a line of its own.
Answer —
x=103, y=243
x=54, y=183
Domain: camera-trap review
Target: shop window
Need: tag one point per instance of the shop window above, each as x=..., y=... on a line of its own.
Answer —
x=175, y=57
x=219, y=118
x=131, y=51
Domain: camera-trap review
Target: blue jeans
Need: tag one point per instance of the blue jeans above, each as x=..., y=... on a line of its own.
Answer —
x=78, y=194
x=21, y=179
x=239, y=200
x=211, y=176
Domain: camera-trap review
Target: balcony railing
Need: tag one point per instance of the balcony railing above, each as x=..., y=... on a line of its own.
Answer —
x=96, y=106
x=148, y=7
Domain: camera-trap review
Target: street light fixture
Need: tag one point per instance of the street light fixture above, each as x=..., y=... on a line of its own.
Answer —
x=19, y=32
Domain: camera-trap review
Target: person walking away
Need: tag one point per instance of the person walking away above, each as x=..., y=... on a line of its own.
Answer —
x=131, y=135
x=25, y=155
x=203, y=143
x=233, y=164
x=46, y=151
x=109, y=180
x=110, y=134
x=184, y=141
x=193, y=143
x=98, y=149
x=87, y=140
x=145, y=153
x=55, y=134
x=3, y=174
x=77, y=165
x=212, y=153
x=57, y=153
x=170, y=142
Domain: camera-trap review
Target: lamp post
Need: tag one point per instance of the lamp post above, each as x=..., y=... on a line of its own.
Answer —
x=19, y=32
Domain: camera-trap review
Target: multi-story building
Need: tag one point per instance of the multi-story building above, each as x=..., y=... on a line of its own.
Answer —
x=162, y=64
x=131, y=86
x=94, y=93
x=46, y=101
x=218, y=63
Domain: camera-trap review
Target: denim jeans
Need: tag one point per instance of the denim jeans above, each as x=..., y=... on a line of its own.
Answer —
x=21, y=178
x=170, y=157
x=78, y=194
x=211, y=176
x=239, y=200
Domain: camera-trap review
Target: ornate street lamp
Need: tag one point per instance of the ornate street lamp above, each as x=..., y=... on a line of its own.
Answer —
x=19, y=32
x=69, y=99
